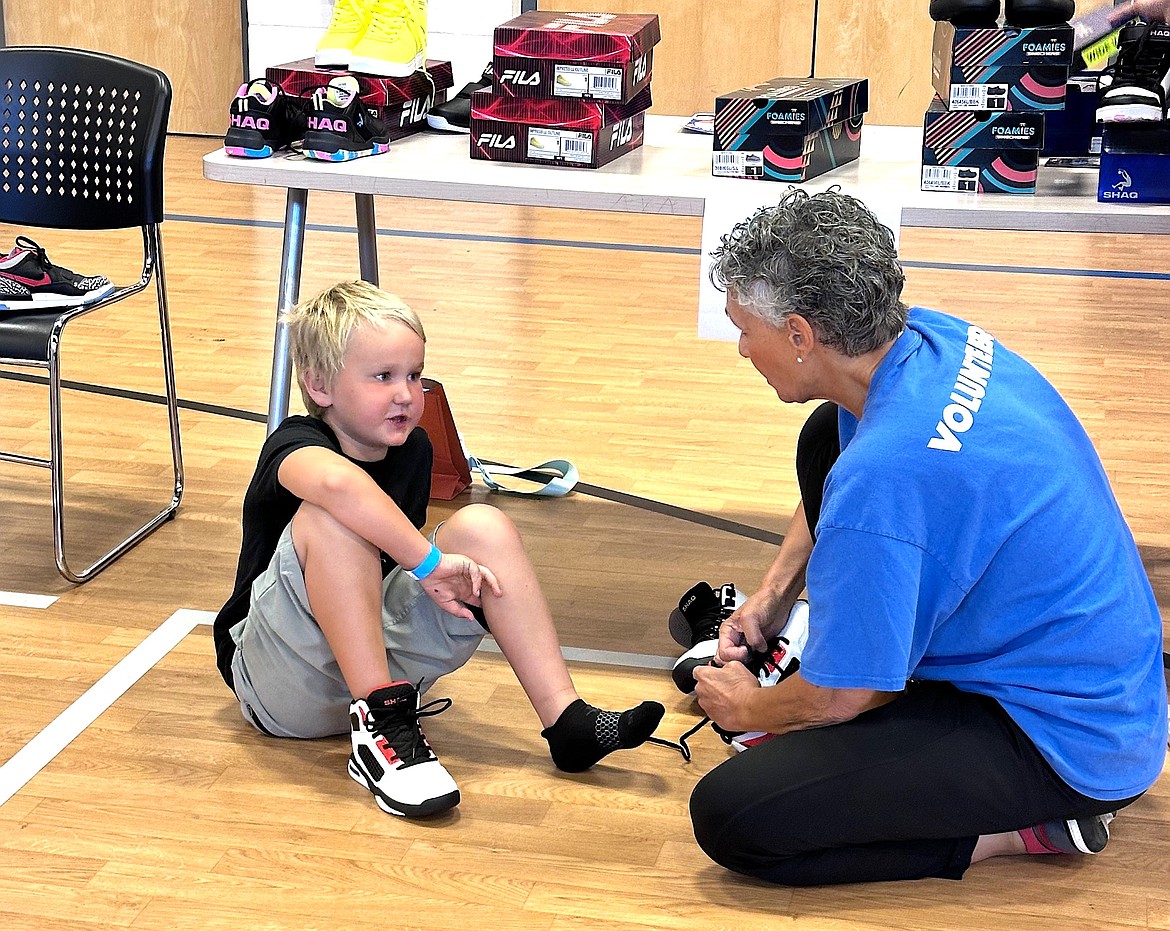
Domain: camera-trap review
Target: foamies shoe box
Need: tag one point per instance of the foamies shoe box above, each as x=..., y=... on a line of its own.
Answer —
x=974, y=171
x=1135, y=164
x=788, y=129
x=401, y=103
x=986, y=129
x=1001, y=69
x=570, y=133
x=589, y=56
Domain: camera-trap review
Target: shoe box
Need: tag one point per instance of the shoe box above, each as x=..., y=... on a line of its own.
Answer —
x=788, y=129
x=1074, y=131
x=572, y=133
x=590, y=56
x=401, y=103
x=1001, y=69
x=1135, y=163
x=965, y=151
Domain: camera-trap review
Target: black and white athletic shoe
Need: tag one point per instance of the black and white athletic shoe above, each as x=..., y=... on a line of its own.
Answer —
x=27, y=268
x=391, y=757
x=694, y=624
x=454, y=116
x=1140, y=85
x=1077, y=835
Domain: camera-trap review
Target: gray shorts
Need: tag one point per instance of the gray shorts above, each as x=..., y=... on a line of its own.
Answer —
x=286, y=678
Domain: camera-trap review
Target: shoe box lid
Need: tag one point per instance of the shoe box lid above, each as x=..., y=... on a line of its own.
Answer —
x=567, y=147
x=1136, y=138
x=594, y=38
x=561, y=114
x=1007, y=47
x=791, y=157
x=969, y=171
x=982, y=129
x=560, y=79
x=786, y=106
x=299, y=78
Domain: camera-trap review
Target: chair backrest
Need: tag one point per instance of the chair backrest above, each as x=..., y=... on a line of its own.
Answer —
x=81, y=139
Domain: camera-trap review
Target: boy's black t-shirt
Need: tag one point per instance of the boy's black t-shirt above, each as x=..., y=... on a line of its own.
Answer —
x=405, y=475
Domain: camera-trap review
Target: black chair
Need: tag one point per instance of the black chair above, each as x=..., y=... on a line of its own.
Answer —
x=81, y=147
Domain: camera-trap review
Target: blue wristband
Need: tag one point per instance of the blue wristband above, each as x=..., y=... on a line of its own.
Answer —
x=427, y=566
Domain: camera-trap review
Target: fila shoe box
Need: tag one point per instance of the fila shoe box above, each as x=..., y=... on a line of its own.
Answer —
x=401, y=103
x=981, y=151
x=572, y=133
x=589, y=56
x=788, y=129
x=1135, y=164
x=1001, y=69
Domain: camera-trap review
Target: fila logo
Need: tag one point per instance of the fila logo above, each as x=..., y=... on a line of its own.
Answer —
x=496, y=141
x=250, y=122
x=622, y=133
x=414, y=110
x=640, y=69
x=326, y=125
x=523, y=78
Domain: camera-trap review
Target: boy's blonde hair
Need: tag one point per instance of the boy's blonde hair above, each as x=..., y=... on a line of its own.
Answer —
x=319, y=328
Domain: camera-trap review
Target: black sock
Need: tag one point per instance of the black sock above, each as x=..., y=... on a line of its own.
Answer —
x=583, y=734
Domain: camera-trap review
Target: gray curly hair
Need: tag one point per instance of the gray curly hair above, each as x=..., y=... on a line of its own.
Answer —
x=823, y=256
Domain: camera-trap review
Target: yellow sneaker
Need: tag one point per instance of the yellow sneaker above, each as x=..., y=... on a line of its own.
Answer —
x=395, y=42
x=347, y=25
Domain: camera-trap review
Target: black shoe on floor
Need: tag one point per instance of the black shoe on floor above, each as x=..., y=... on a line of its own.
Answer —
x=454, y=116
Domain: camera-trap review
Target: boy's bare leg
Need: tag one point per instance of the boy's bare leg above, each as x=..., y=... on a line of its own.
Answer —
x=519, y=618
x=343, y=576
x=578, y=734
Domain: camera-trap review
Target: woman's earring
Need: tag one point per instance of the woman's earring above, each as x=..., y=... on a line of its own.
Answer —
x=799, y=359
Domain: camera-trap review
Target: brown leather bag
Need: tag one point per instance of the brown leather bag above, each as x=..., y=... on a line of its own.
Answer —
x=450, y=473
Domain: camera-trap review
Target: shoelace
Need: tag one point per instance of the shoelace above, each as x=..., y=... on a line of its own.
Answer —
x=403, y=732
x=1141, y=69
x=346, y=17
x=681, y=744
x=706, y=626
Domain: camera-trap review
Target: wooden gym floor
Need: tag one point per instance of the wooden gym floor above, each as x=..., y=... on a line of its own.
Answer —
x=166, y=811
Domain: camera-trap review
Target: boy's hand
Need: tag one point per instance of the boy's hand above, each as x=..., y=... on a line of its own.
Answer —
x=457, y=582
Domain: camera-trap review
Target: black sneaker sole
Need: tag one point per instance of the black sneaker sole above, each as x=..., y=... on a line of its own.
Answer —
x=432, y=806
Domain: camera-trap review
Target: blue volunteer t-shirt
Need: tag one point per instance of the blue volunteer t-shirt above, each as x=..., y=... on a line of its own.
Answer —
x=969, y=534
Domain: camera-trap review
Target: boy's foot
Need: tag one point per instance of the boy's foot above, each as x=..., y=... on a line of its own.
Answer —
x=695, y=624
x=1077, y=835
x=582, y=735
x=392, y=758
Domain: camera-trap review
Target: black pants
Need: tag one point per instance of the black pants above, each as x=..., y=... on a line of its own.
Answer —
x=900, y=792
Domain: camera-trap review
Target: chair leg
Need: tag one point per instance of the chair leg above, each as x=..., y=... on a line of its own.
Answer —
x=154, y=260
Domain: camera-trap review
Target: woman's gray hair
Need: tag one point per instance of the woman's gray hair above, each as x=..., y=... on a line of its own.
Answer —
x=823, y=256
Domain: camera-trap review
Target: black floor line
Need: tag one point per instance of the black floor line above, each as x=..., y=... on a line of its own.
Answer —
x=596, y=491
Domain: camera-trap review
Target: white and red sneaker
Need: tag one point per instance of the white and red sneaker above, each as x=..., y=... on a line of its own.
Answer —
x=391, y=756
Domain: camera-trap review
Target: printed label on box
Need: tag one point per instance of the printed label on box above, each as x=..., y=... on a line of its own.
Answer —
x=737, y=164
x=585, y=81
x=949, y=178
x=979, y=97
x=560, y=143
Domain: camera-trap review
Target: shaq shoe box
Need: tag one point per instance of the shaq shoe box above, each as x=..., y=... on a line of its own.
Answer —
x=572, y=133
x=982, y=129
x=589, y=56
x=1135, y=164
x=788, y=129
x=1001, y=69
x=401, y=103
x=1074, y=131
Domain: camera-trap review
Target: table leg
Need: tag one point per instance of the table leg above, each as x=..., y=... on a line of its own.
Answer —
x=367, y=238
x=290, y=289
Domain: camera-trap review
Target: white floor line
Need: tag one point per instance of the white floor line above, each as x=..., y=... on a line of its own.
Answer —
x=39, y=752
x=605, y=657
x=26, y=600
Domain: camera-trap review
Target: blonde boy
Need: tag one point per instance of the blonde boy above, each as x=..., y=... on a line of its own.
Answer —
x=326, y=632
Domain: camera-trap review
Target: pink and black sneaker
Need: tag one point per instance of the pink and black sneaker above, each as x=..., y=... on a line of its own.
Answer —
x=340, y=126
x=32, y=282
x=262, y=121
